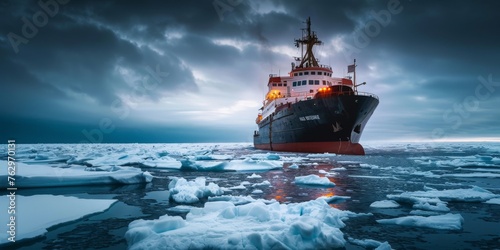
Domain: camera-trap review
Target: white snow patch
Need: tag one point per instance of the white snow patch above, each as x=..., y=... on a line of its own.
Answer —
x=34, y=214
x=313, y=179
x=446, y=221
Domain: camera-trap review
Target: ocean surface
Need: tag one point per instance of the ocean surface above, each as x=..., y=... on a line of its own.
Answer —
x=440, y=195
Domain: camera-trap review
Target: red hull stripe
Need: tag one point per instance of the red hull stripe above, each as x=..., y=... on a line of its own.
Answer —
x=347, y=148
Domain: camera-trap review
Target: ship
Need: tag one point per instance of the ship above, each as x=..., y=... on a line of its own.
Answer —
x=309, y=110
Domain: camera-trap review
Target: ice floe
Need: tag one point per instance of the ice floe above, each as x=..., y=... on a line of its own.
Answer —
x=446, y=221
x=493, y=201
x=249, y=164
x=293, y=166
x=36, y=213
x=254, y=176
x=183, y=191
x=255, y=225
x=47, y=176
x=314, y=180
x=474, y=194
x=370, y=244
x=385, y=204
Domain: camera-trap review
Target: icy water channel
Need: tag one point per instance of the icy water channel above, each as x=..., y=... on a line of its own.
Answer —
x=359, y=181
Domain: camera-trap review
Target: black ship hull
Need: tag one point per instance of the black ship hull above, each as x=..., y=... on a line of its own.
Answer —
x=331, y=124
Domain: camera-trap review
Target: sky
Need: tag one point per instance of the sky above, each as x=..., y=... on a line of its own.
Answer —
x=197, y=71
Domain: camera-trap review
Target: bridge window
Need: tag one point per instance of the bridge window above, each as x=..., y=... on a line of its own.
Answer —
x=279, y=84
x=294, y=84
x=284, y=84
x=274, y=84
x=311, y=82
x=319, y=72
x=304, y=82
x=316, y=82
x=300, y=73
x=324, y=82
x=313, y=73
x=295, y=74
x=306, y=73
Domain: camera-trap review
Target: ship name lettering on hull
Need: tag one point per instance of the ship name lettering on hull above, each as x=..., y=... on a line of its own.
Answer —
x=309, y=118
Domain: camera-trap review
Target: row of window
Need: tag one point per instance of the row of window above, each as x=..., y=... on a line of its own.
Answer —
x=306, y=73
x=311, y=82
x=279, y=84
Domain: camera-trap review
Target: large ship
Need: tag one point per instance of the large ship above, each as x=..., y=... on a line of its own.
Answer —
x=309, y=110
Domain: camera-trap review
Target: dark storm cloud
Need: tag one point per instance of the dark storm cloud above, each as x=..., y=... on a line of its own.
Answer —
x=91, y=54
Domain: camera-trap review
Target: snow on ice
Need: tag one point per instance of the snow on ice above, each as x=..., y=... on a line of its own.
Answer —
x=314, y=180
x=183, y=191
x=384, y=204
x=47, y=176
x=446, y=221
x=223, y=225
x=36, y=213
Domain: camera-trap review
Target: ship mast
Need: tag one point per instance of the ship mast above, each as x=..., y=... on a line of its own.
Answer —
x=310, y=39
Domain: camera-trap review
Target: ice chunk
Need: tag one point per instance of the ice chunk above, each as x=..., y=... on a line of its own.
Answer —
x=293, y=166
x=439, y=207
x=334, y=198
x=262, y=184
x=474, y=175
x=339, y=169
x=474, y=194
x=36, y=213
x=254, y=176
x=369, y=244
x=384, y=204
x=183, y=191
x=446, y=221
x=47, y=176
x=313, y=179
x=266, y=156
x=222, y=225
x=493, y=201
x=321, y=171
x=371, y=166
x=257, y=191
x=249, y=164
x=324, y=155
x=203, y=165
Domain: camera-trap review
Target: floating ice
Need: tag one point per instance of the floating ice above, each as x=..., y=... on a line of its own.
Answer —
x=493, y=201
x=222, y=225
x=371, y=166
x=293, y=166
x=446, y=221
x=257, y=191
x=313, y=179
x=474, y=194
x=262, y=184
x=47, y=176
x=423, y=213
x=339, y=169
x=183, y=191
x=370, y=244
x=474, y=175
x=249, y=164
x=180, y=209
x=254, y=176
x=321, y=171
x=334, y=198
x=384, y=204
x=36, y=213
x=439, y=207
x=267, y=156
x=324, y=155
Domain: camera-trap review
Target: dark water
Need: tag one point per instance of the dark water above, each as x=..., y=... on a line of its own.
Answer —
x=363, y=185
